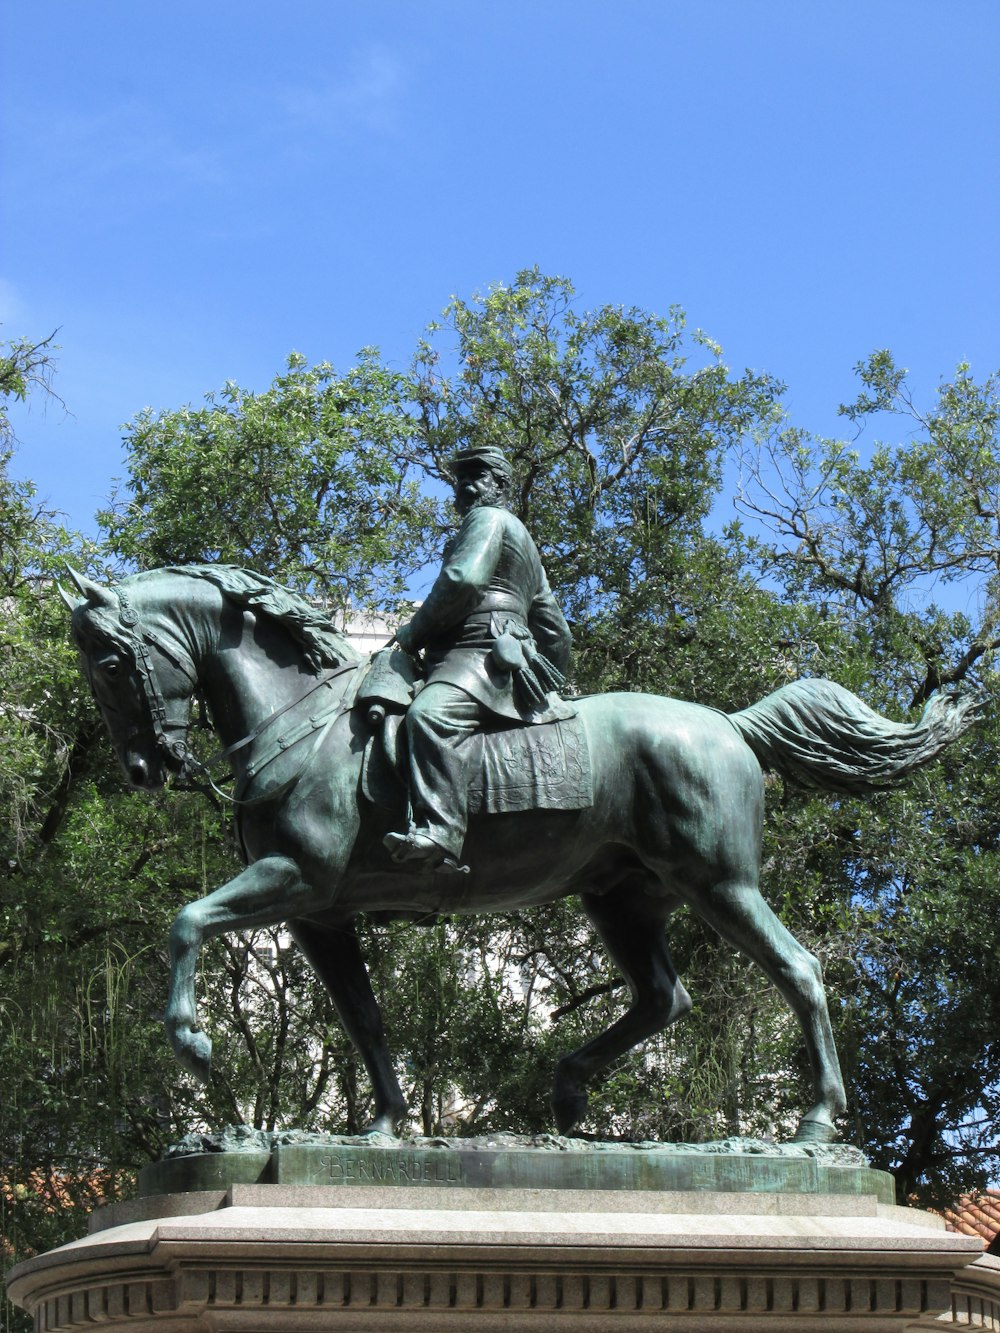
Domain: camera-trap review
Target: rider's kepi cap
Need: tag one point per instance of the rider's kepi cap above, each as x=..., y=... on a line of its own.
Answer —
x=495, y=459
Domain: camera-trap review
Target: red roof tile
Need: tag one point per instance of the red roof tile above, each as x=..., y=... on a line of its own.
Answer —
x=975, y=1215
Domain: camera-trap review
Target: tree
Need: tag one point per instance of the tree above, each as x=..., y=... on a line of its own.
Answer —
x=25, y=366
x=898, y=548
x=90, y=878
x=47, y=737
x=308, y=481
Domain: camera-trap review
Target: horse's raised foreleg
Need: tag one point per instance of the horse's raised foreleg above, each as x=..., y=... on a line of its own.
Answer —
x=631, y=925
x=266, y=892
x=336, y=957
x=741, y=916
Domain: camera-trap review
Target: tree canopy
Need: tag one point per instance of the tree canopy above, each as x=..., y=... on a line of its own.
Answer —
x=873, y=562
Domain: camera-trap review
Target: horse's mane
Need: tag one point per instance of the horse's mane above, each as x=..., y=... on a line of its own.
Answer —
x=321, y=644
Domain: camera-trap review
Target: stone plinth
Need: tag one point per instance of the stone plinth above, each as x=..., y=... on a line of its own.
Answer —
x=512, y=1161
x=392, y=1255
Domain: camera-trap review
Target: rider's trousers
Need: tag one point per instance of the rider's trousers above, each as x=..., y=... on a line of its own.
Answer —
x=439, y=723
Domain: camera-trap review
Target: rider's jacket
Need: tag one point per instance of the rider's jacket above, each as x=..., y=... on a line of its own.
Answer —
x=491, y=580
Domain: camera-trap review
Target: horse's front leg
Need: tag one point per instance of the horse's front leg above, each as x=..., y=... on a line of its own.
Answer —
x=268, y=891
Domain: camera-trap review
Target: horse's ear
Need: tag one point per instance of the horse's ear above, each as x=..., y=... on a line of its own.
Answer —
x=67, y=601
x=91, y=591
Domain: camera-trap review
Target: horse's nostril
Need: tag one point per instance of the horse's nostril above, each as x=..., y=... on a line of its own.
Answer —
x=138, y=772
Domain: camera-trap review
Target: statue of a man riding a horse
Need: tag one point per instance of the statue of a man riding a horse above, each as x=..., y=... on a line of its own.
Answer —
x=467, y=783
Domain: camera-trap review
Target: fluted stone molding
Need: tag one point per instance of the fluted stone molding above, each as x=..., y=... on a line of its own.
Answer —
x=270, y=1257
x=975, y=1298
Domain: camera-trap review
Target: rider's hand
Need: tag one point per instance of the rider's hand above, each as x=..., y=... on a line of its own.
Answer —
x=404, y=637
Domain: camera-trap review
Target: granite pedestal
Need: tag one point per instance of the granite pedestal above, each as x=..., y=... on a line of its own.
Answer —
x=370, y=1236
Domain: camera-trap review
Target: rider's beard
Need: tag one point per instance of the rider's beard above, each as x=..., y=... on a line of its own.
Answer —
x=490, y=495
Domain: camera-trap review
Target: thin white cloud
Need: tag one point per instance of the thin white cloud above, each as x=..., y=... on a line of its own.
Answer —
x=127, y=155
x=365, y=95
x=12, y=307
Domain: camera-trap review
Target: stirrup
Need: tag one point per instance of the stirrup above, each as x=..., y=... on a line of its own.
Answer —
x=424, y=852
x=449, y=866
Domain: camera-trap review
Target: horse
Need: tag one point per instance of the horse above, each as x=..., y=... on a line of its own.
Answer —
x=675, y=820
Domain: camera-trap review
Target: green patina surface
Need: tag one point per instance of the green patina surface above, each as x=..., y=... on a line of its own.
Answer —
x=477, y=1167
x=677, y=797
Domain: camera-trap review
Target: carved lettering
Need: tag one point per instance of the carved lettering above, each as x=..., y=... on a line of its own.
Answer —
x=332, y=1166
x=394, y=1168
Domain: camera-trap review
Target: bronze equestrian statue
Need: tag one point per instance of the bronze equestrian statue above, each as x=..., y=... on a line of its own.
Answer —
x=637, y=804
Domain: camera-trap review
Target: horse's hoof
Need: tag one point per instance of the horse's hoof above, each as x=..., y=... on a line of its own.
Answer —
x=569, y=1110
x=815, y=1131
x=383, y=1124
x=194, y=1053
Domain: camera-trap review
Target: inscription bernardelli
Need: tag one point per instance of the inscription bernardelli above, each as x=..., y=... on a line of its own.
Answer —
x=393, y=1168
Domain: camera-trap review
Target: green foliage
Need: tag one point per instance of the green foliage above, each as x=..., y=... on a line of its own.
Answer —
x=876, y=535
x=899, y=544
x=24, y=366
x=306, y=481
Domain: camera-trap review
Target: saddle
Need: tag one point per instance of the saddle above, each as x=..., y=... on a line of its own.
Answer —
x=541, y=766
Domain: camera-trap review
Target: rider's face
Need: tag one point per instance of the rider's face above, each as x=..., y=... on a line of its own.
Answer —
x=475, y=485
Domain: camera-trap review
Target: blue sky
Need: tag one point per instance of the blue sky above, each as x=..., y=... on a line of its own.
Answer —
x=190, y=191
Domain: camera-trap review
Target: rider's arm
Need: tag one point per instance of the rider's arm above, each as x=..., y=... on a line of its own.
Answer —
x=464, y=577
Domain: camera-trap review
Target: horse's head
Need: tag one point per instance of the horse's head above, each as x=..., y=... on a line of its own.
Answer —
x=140, y=676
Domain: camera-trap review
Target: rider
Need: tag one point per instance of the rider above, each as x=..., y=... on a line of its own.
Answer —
x=496, y=646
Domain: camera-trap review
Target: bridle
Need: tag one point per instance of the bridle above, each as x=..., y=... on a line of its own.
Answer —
x=138, y=638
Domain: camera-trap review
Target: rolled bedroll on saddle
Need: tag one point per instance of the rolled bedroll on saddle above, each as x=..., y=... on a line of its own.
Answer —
x=818, y=734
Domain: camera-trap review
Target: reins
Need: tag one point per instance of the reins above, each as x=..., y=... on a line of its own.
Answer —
x=318, y=723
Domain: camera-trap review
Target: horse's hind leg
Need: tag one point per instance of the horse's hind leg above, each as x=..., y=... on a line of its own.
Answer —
x=336, y=957
x=632, y=926
x=741, y=916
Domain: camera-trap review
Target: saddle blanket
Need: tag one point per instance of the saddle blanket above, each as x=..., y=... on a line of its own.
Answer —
x=543, y=767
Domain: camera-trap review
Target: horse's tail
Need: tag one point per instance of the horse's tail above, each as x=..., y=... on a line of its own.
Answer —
x=820, y=735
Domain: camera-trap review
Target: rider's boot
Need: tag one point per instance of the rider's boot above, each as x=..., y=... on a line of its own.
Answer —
x=418, y=851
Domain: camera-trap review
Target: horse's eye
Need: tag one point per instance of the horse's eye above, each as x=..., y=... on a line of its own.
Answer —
x=110, y=668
